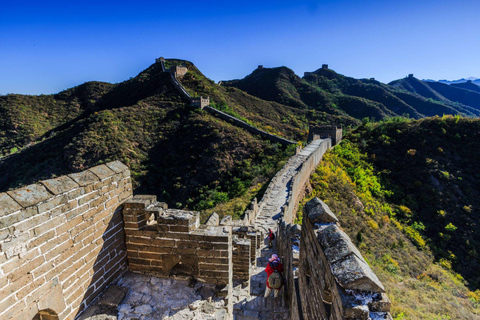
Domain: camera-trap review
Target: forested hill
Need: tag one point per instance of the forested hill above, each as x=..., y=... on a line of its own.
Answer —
x=464, y=95
x=408, y=192
x=324, y=90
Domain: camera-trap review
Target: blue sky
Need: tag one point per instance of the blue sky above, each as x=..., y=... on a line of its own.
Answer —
x=48, y=46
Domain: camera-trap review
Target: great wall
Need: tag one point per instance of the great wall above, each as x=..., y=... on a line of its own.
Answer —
x=83, y=246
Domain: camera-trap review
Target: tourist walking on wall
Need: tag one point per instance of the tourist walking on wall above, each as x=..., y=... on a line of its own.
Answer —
x=274, y=271
x=271, y=237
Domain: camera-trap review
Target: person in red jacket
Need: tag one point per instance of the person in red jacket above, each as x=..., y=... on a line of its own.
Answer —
x=271, y=237
x=273, y=264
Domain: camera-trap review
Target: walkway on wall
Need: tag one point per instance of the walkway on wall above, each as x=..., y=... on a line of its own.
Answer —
x=249, y=302
x=270, y=208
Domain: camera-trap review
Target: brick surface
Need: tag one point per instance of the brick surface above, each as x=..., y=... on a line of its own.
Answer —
x=68, y=240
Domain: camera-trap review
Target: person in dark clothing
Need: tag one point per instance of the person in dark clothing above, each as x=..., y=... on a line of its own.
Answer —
x=273, y=264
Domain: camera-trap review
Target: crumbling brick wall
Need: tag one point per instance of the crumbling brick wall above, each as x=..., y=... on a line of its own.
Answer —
x=62, y=242
x=168, y=242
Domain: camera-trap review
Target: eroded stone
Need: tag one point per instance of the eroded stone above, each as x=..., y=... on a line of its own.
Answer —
x=318, y=212
x=30, y=195
x=59, y=185
x=102, y=171
x=8, y=205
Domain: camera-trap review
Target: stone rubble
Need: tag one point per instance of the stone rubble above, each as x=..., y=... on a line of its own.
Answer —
x=152, y=298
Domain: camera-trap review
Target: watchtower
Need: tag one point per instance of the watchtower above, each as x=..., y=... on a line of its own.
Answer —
x=201, y=102
x=178, y=70
x=325, y=66
x=326, y=131
x=410, y=75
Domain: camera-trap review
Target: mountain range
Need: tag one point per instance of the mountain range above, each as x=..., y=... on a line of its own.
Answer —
x=403, y=181
x=462, y=80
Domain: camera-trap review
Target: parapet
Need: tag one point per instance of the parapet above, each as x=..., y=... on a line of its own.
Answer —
x=58, y=231
x=345, y=286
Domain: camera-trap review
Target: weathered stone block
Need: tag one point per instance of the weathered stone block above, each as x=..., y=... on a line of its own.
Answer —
x=213, y=220
x=117, y=166
x=318, y=212
x=30, y=195
x=336, y=243
x=84, y=178
x=7, y=205
x=226, y=221
x=102, y=171
x=353, y=273
x=60, y=185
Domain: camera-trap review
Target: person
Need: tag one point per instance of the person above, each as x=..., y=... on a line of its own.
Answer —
x=271, y=237
x=273, y=264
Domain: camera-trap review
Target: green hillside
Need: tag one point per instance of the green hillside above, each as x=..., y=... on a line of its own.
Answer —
x=407, y=192
x=347, y=98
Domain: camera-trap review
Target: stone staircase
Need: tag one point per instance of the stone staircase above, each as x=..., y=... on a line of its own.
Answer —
x=249, y=302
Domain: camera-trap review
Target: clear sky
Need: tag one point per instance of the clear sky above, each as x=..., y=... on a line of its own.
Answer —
x=48, y=46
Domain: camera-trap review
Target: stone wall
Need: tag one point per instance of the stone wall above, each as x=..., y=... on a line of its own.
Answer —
x=333, y=132
x=62, y=242
x=180, y=88
x=168, y=242
x=301, y=178
x=200, y=102
x=286, y=235
x=241, y=258
x=335, y=281
x=249, y=128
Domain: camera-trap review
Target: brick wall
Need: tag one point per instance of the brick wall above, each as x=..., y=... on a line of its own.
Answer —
x=285, y=234
x=249, y=128
x=241, y=259
x=62, y=241
x=300, y=180
x=168, y=242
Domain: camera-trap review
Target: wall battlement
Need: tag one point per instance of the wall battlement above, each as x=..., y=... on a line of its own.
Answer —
x=334, y=281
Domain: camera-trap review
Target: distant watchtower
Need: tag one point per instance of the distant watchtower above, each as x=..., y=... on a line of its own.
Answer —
x=325, y=66
x=326, y=131
x=178, y=71
x=260, y=66
x=410, y=75
x=161, y=59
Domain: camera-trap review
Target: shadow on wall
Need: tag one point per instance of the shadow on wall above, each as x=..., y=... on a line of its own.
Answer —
x=110, y=262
